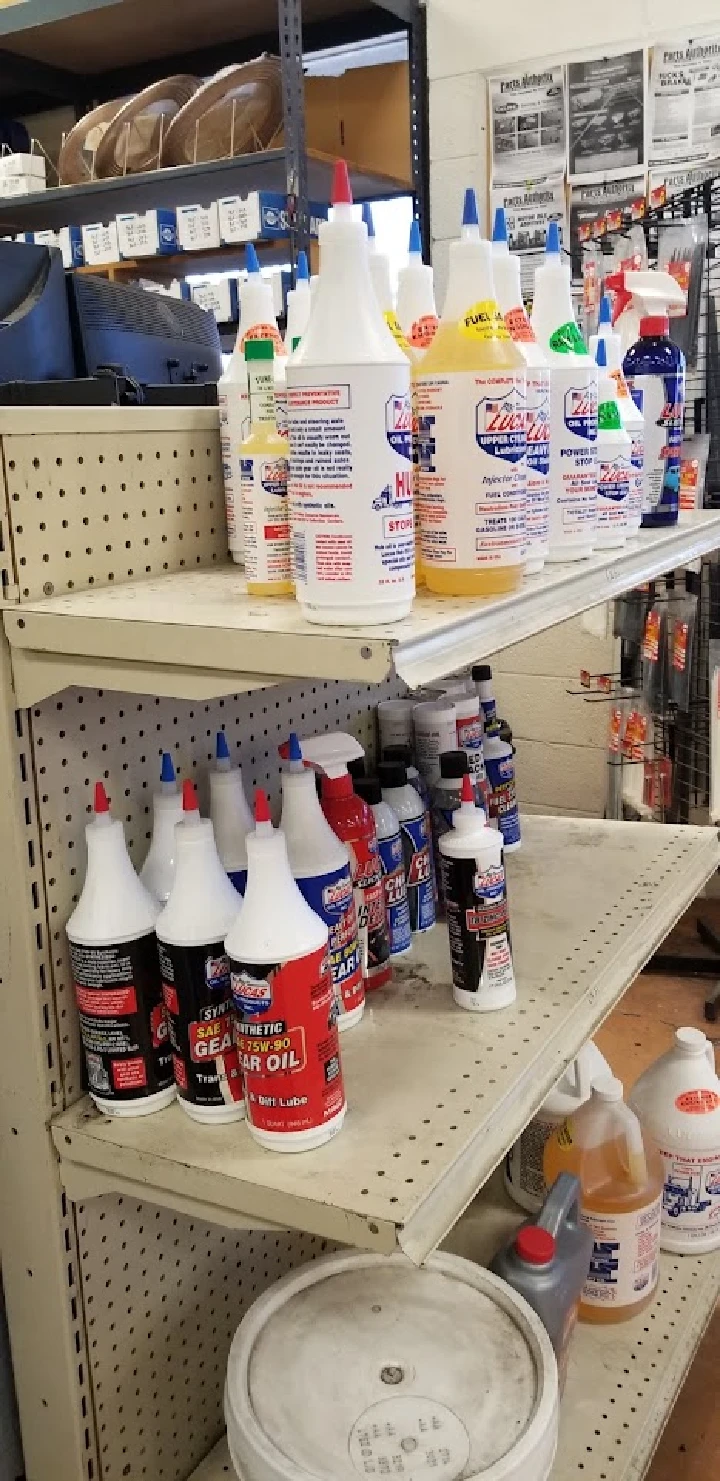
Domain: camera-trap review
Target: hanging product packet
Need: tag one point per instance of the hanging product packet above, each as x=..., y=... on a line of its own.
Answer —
x=682, y=620
x=693, y=470
x=655, y=656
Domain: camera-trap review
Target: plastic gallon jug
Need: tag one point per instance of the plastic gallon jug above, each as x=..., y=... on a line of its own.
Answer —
x=476, y=905
x=230, y=812
x=547, y=1262
x=159, y=867
x=116, y=974
x=287, y=1034
x=573, y=408
x=621, y=1179
x=506, y=276
x=389, y=1369
x=196, y=975
x=678, y=1101
x=350, y=431
x=614, y=462
x=524, y=1176
x=470, y=399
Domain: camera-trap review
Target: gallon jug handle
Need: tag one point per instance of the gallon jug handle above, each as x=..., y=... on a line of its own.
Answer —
x=562, y=1205
x=631, y=1133
x=710, y=1055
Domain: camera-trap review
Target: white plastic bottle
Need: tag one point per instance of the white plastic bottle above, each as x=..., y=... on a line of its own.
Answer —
x=230, y=812
x=392, y=859
x=263, y=483
x=500, y=767
x=282, y=988
x=298, y=303
x=524, y=1175
x=380, y=273
x=475, y=894
x=257, y=321
x=416, y=311
x=350, y=429
x=678, y=1102
x=159, y=867
x=573, y=409
x=196, y=975
x=506, y=276
x=614, y=465
x=631, y=410
x=411, y=813
x=116, y=973
x=320, y=864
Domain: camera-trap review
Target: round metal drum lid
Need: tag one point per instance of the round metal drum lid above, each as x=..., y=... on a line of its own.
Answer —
x=366, y=1366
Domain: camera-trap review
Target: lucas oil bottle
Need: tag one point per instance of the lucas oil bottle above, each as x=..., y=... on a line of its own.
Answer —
x=409, y=809
x=350, y=431
x=614, y=455
x=630, y=407
x=320, y=864
x=506, y=275
x=159, y=867
x=196, y=975
x=116, y=973
x=352, y=820
x=475, y=894
x=287, y=1034
x=573, y=408
x=392, y=859
x=416, y=310
x=298, y=303
x=230, y=813
x=656, y=366
x=470, y=399
x=263, y=483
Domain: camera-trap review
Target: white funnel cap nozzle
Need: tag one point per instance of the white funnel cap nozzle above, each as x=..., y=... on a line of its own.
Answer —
x=331, y=753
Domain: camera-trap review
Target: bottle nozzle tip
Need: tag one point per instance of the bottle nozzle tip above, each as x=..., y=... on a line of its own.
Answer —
x=302, y=271
x=367, y=217
x=466, y=791
x=167, y=770
x=262, y=807
x=222, y=751
x=605, y=314
x=341, y=192
x=552, y=239
x=189, y=796
x=101, y=803
x=500, y=226
x=294, y=748
x=415, y=243
x=601, y=353
x=470, y=210
x=251, y=259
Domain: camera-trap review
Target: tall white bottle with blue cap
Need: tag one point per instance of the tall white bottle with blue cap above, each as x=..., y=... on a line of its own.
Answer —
x=631, y=409
x=350, y=429
x=230, y=812
x=257, y=321
x=506, y=276
x=380, y=274
x=298, y=303
x=614, y=451
x=573, y=408
x=158, y=871
x=416, y=311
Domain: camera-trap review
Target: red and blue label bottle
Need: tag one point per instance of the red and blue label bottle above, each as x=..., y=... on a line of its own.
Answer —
x=656, y=366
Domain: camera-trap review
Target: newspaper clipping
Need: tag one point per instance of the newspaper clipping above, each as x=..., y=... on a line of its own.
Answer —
x=527, y=125
x=528, y=208
x=685, y=97
x=606, y=116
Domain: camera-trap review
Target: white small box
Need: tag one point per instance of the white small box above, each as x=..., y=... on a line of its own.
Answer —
x=21, y=184
x=70, y=242
x=176, y=289
x=32, y=165
x=147, y=233
x=198, y=227
x=100, y=243
x=220, y=297
x=239, y=219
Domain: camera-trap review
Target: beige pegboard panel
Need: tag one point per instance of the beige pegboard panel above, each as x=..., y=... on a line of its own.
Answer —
x=163, y=1296
x=126, y=494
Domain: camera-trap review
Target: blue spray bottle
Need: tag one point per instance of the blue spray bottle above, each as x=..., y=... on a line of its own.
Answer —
x=656, y=367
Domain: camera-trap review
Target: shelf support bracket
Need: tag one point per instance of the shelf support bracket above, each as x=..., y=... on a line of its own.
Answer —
x=291, y=55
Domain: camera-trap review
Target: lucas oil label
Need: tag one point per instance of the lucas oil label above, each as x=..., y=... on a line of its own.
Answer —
x=478, y=929
x=123, y=1025
x=613, y=492
x=503, y=799
x=351, y=484
x=469, y=739
x=537, y=458
x=198, y=1001
x=373, y=932
x=396, y=895
x=573, y=457
x=331, y=897
x=287, y=1040
x=266, y=527
x=691, y=1194
x=663, y=403
x=472, y=437
x=624, y=1264
x=418, y=872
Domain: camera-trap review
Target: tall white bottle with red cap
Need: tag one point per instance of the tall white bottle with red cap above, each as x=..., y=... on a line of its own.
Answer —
x=350, y=430
x=195, y=973
x=114, y=961
x=159, y=868
x=230, y=813
x=506, y=276
x=257, y=321
x=416, y=311
x=282, y=987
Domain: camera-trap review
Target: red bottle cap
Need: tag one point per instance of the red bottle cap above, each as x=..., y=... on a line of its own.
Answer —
x=341, y=192
x=101, y=798
x=535, y=1245
x=262, y=807
x=466, y=791
x=654, y=326
x=189, y=796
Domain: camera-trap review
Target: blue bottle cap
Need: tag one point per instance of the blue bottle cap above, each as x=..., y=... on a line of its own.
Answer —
x=601, y=353
x=415, y=243
x=470, y=210
x=294, y=748
x=500, y=233
x=552, y=239
x=251, y=259
x=167, y=770
x=367, y=217
x=605, y=315
x=222, y=752
x=302, y=271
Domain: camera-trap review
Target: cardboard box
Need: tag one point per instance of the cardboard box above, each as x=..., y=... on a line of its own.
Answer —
x=260, y=216
x=220, y=297
x=32, y=165
x=363, y=116
x=147, y=233
x=100, y=243
x=198, y=228
x=68, y=239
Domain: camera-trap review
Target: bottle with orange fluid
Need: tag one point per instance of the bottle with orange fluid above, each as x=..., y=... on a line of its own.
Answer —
x=621, y=1179
x=470, y=397
x=264, y=482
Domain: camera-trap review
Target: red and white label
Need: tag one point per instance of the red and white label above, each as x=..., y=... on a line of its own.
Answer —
x=423, y=331
x=697, y=1102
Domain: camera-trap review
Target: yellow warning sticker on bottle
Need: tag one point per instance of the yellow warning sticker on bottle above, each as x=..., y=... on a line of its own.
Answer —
x=393, y=324
x=483, y=320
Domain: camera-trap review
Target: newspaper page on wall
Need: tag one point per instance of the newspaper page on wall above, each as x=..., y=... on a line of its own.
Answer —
x=606, y=115
x=528, y=208
x=603, y=206
x=685, y=101
x=527, y=125
x=666, y=181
